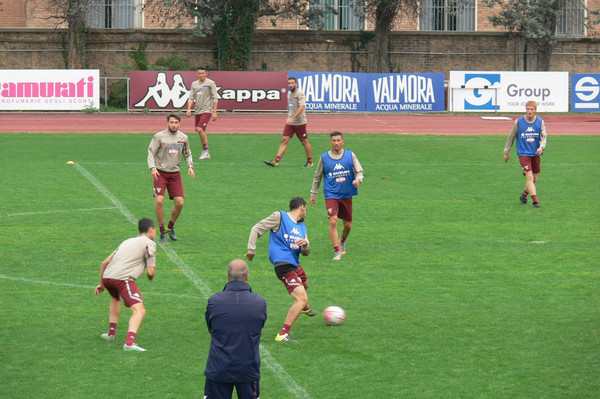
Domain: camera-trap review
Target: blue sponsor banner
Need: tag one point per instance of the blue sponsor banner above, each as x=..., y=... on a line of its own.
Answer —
x=333, y=91
x=585, y=92
x=405, y=92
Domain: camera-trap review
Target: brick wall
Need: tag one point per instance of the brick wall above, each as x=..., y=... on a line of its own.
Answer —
x=279, y=50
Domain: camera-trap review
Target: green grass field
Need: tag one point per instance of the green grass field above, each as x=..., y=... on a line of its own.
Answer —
x=452, y=288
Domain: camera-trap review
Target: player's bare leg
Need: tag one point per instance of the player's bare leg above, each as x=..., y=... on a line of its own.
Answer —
x=300, y=301
x=204, y=141
x=529, y=184
x=159, y=208
x=308, y=150
x=175, y=212
x=138, y=311
x=345, y=233
x=177, y=208
x=530, y=187
x=114, y=310
x=333, y=234
x=282, y=147
x=307, y=310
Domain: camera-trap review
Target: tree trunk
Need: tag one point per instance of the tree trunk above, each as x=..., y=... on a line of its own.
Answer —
x=76, y=34
x=381, y=62
x=543, y=57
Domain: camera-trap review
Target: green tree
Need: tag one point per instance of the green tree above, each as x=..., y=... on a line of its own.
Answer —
x=535, y=21
x=233, y=22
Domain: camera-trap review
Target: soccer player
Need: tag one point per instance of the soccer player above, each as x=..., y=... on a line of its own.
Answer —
x=287, y=241
x=204, y=94
x=118, y=273
x=530, y=132
x=296, y=124
x=343, y=174
x=235, y=318
x=164, y=157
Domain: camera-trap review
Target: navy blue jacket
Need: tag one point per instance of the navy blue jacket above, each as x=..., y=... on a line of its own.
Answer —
x=235, y=318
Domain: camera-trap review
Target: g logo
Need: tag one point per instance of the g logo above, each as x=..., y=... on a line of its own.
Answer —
x=481, y=99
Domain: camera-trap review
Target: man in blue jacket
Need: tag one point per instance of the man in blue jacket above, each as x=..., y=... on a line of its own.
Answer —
x=235, y=318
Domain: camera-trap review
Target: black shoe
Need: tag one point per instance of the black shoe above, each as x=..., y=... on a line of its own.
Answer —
x=309, y=312
x=523, y=199
x=171, y=234
x=536, y=204
x=163, y=237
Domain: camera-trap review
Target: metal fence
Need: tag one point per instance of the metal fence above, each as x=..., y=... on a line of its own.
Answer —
x=447, y=15
x=118, y=14
x=570, y=20
x=340, y=15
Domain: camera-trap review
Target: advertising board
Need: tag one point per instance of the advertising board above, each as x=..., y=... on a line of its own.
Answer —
x=333, y=91
x=49, y=89
x=497, y=91
x=405, y=92
x=585, y=92
x=168, y=90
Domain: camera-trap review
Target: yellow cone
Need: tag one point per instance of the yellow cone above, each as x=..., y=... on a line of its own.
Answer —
x=70, y=163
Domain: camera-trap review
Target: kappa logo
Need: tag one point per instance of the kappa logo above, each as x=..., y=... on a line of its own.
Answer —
x=330, y=210
x=338, y=166
x=295, y=231
x=136, y=295
x=530, y=129
x=163, y=94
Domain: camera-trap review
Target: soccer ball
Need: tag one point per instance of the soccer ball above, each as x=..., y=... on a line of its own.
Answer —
x=334, y=315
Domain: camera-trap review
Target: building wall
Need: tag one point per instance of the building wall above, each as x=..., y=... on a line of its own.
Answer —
x=278, y=50
x=35, y=14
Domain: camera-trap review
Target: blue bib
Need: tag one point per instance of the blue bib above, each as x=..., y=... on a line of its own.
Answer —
x=338, y=176
x=528, y=137
x=282, y=245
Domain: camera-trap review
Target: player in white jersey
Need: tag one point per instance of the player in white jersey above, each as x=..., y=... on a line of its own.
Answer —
x=204, y=94
x=295, y=124
x=118, y=273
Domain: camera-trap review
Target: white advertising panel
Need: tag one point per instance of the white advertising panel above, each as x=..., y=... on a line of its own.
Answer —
x=496, y=91
x=49, y=89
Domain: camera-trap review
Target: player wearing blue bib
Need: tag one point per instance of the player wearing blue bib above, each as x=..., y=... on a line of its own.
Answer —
x=341, y=173
x=530, y=133
x=288, y=240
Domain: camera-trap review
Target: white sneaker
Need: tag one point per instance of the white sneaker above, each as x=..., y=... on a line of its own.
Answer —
x=107, y=337
x=133, y=348
x=342, y=247
x=338, y=255
x=205, y=155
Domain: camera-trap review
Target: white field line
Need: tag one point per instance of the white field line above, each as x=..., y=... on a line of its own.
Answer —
x=269, y=360
x=85, y=287
x=57, y=211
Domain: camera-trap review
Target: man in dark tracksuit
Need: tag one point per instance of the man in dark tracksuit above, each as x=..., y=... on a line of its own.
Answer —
x=235, y=318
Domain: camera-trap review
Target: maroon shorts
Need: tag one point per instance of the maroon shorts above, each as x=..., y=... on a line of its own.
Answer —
x=169, y=181
x=298, y=130
x=530, y=164
x=342, y=208
x=201, y=120
x=128, y=290
x=294, y=279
